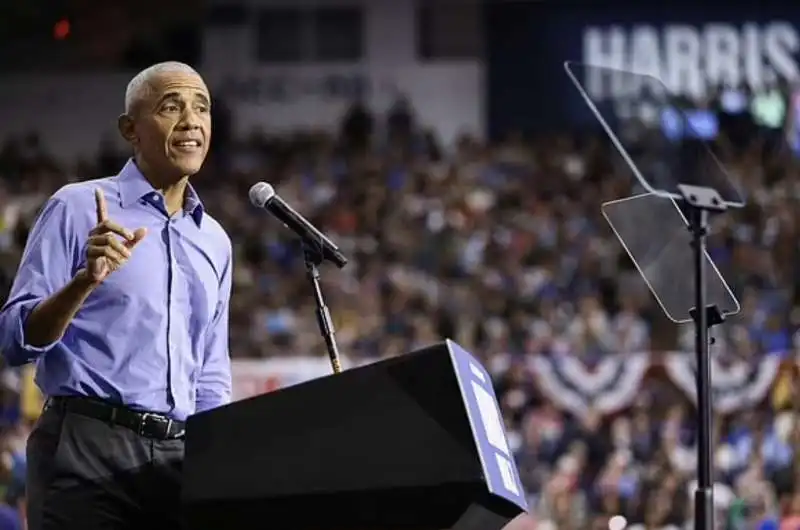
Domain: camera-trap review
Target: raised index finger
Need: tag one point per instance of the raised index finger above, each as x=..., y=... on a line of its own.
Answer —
x=100, y=204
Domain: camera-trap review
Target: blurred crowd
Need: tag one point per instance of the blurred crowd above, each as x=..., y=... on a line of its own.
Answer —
x=503, y=248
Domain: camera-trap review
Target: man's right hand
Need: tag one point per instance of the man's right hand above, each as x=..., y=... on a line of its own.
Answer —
x=106, y=252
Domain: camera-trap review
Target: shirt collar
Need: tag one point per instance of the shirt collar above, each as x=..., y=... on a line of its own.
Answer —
x=133, y=187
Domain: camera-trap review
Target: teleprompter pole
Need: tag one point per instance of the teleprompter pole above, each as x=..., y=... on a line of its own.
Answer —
x=701, y=202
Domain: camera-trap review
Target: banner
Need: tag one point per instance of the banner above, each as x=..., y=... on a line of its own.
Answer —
x=253, y=377
x=613, y=383
x=734, y=386
x=691, y=48
x=607, y=386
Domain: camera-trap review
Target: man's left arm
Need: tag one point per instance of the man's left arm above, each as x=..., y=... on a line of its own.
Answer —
x=214, y=383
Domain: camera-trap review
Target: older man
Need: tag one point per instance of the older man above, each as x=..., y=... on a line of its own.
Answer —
x=122, y=300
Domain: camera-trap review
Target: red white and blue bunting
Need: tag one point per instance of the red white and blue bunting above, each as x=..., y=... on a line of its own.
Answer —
x=609, y=386
x=613, y=383
x=734, y=386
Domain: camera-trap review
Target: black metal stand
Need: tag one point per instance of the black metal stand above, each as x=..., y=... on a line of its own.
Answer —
x=313, y=259
x=701, y=202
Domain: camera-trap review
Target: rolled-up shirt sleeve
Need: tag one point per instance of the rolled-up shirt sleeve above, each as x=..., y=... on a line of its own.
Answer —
x=214, y=383
x=46, y=266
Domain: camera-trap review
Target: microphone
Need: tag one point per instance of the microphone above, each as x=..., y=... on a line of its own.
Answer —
x=262, y=195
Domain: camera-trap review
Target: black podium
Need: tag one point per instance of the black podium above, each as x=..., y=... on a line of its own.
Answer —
x=414, y=442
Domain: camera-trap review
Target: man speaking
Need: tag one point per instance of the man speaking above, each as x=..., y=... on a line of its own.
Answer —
x=121, y=299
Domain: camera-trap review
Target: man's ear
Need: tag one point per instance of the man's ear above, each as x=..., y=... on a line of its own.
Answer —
x=126, y=129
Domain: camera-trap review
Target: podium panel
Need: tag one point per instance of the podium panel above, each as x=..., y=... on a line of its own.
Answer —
x=488, y=428
x=412, y=442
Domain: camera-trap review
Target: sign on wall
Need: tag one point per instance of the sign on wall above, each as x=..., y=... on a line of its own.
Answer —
x=693, y=60
x=691, y=48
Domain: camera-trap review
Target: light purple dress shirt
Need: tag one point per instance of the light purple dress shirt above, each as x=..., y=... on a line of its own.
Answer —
x=154, y=335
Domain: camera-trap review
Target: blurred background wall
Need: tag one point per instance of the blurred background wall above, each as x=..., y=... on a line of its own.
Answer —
x=280, y=65
x=442, y=145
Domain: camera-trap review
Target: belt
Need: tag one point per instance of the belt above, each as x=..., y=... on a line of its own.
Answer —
x=148, y=424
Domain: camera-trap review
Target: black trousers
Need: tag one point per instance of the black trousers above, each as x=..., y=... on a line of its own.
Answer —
x=85, y=474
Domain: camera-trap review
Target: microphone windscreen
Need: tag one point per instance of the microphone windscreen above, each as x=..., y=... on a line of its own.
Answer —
x=260, y=194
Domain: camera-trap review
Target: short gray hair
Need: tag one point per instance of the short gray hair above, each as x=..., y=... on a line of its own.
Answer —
x=140, y=84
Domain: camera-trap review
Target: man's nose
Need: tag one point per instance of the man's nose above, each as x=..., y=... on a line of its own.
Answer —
x=189, y=121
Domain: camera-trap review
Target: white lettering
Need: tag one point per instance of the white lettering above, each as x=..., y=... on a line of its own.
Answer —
x=781, y=44
x=644, y=58
x=722, y=65
x=691, y=61
x=751, y=52
x=604, y=48
x=682, y=51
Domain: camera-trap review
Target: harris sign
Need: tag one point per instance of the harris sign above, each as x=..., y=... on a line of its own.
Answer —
x=692, y=60
x=691, y=48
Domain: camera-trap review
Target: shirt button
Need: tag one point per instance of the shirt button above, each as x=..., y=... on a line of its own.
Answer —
x=156, y=197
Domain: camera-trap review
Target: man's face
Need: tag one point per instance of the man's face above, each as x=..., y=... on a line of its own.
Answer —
x=171, y=128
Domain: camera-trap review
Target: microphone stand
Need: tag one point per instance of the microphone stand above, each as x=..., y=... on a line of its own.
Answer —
x=313, y=259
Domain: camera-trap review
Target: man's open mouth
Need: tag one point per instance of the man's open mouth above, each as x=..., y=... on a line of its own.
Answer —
x=187, y=145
